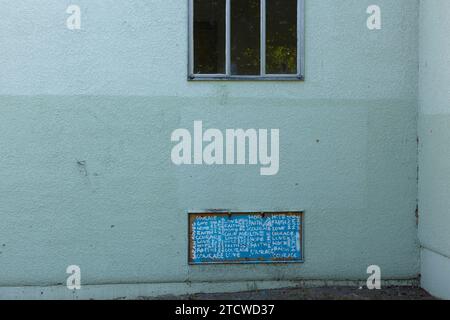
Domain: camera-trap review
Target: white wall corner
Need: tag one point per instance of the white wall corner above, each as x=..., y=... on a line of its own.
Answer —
x=435, y=269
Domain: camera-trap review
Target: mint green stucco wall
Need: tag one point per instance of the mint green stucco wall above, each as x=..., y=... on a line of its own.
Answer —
x=434, y=151
x=85, y=121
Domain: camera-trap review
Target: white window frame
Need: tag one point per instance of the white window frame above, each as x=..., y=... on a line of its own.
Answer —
x=299, y=76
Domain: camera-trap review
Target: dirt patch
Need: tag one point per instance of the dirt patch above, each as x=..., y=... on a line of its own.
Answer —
x=321, y=293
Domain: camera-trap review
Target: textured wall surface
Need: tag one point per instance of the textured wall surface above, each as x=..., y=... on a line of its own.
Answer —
x=434, y=151
x=85, y=121
x=434, y=187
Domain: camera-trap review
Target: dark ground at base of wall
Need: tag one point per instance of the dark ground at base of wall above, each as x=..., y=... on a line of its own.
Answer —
x=321, y=293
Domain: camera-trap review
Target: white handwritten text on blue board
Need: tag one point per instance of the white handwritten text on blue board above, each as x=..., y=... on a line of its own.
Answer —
x=247, y=238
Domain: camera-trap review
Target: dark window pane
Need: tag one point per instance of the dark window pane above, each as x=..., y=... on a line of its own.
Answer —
x=209, y=36
x=281, y=37
x=245, y=37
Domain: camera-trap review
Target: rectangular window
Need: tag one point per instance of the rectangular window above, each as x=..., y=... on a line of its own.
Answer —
x=246, y=40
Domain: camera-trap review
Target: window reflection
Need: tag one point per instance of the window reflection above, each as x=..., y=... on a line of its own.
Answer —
x=245, y=37
x=281, y=37
x=209, y=36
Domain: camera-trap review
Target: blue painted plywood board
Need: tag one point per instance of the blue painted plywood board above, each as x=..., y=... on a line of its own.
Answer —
x=245, y=238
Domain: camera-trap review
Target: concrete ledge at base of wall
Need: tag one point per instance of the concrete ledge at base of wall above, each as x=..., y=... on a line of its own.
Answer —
x=139, y=291
x=435, y=273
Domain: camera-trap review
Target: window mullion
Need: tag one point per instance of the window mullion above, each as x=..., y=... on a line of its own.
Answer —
x=228, y=38
x=191, y=38
x=263, y=38
x=300, y=38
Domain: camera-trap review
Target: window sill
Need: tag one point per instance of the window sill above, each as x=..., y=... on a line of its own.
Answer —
x=245, y=78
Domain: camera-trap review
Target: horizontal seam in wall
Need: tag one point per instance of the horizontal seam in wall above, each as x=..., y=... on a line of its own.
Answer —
x=188, y=283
